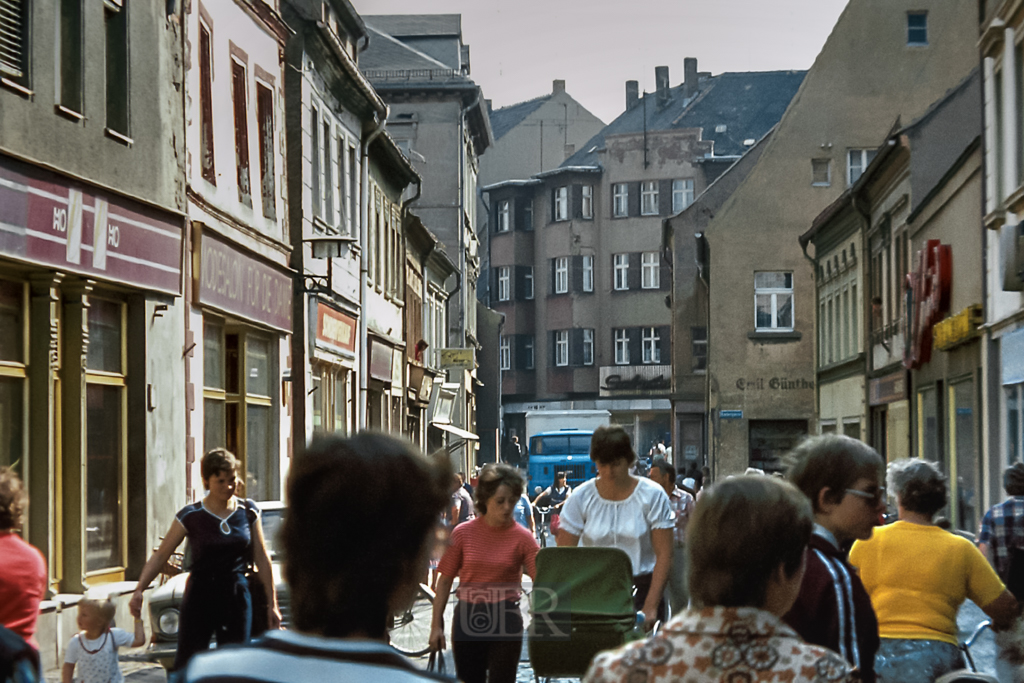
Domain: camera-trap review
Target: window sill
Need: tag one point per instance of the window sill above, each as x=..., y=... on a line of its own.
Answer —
x=17, y=88
x=118, y=137
x=782, y=337
x=68, y=113
x=821, y=184
x=994, y=220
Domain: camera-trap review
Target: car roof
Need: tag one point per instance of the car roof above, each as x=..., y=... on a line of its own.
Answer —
x=269, y=505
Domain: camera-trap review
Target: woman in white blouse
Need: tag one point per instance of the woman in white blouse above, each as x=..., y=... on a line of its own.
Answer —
x=619, y=510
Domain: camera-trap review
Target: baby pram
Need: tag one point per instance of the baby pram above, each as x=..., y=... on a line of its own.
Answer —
x=581, y=604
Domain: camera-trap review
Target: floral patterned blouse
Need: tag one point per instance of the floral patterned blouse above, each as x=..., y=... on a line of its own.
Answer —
x=721, y=645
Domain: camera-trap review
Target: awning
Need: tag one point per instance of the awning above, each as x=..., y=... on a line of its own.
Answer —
x=452, y=429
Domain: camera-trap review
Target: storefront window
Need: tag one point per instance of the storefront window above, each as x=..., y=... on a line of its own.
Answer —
x=104, y=336
x=261, y=474
x=1013, y=421
x=257, y=363
x=341, y=403
x=12, y=322
x=12, y=373
x=214, y=385
x=770, y=440
x=317, y=391
x=928, y=427
x=961, y=396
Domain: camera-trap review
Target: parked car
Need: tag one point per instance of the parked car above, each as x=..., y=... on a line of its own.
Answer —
x=165, y=601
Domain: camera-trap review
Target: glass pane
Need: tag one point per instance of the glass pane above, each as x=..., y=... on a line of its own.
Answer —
x=785, y=309
x=213, y=356
x=930, y=427
x=555, y=444
x=12, y=328
x=104, y=336
x=764, y=310
x=316, y=389
x=579, y=445
x=1012, y=440
x=12, y=405
x=213, y=424
x=103, y=477
x=257, y=364
x=771, y=280
x=261, y=475
x=341, y=403
x=966, y=455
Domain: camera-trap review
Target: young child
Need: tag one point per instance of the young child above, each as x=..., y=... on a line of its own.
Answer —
x=94, y=649
x=842, y=477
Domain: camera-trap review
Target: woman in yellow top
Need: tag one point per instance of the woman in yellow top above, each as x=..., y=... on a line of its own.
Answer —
x=918, y=575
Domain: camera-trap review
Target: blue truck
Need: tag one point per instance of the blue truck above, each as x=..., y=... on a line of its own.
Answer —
x=559, y=441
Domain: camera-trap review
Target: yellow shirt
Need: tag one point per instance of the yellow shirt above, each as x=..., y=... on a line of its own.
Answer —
x=918, y=576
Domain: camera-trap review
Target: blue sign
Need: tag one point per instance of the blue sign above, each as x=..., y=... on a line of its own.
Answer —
x=730, y=414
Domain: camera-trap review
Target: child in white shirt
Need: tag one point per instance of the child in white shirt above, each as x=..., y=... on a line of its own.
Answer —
x=94, y=649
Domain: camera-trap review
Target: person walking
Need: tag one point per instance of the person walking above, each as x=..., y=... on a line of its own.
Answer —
x=489, y=556
x=681, y=502
x=22, y=567
x=225, y=535
x=462, y=508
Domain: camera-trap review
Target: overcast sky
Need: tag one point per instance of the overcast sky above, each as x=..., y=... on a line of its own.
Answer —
x=517, y=47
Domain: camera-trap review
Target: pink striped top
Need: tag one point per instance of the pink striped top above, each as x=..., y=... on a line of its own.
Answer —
x=489, y=561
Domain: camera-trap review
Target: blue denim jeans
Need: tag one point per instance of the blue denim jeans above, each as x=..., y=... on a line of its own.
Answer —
x=907, y=660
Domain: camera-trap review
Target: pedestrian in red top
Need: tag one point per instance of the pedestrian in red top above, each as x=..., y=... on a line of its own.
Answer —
x=489, y=555
x=22, y=567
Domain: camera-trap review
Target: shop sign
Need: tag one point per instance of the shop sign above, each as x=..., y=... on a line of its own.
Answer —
x=335, y=331
x=634, y=379
x=380, y=360
x=53, y=221
x=236, y=283
x=773, y=383
x=458, y=359
x=957, y=329
x=887, y=389
x=928, y=292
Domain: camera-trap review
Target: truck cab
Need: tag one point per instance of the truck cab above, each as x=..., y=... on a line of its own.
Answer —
x=565, y=450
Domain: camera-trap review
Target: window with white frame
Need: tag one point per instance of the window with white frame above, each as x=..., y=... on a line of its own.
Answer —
x=649, y=198
x=622, y=346
x=528, y=215
x=503, y=216
x=562, y=275
x=588, y=273
x=773, y=300
x=650, y=270
x=620, y=200
x=821, y=172
x=917, y=28
x=682, y=194
x=621, y=270
x=528, y=282
x=528, y=353
x=587, y=201
x=562, y=348
x=588, y=346
x=505, y=352
x=857, y=161
x=562, y=204
x=504, y=283
x=651, y=342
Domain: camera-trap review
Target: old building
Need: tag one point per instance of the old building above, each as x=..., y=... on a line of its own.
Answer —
x=576, y=252
x=761, y=340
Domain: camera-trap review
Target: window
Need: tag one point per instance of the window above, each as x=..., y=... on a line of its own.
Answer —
x=562, y=348
x=528, y=215
x=650, y=270
x=821, y=172
x=353, y=190
x=12, y=373
x=621, y=346
x=588, y=346
x=505, y=353
x=562, y=204
x=328, y=182
x=504, y=284
x=588, y=273
x=651, y=341
x=857, y=161
x=773, y=301
x=116, y=30
x=587, y=199
x=265, y=119
x=528, y=352
x=69, y=46
x=561, y=275
x=314, y=155
x=206, y=105
x=14, y=47
x=649, y=198
x=620, y=200
x=699, y=349
x=682, y=194
x=528, y=282
x=917, y=28
x=621, y=270
x=503, y=215
x=241, y=132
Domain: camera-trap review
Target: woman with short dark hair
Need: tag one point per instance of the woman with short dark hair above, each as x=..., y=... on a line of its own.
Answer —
x=489, y=554
x=918, y=575
x=22, y=567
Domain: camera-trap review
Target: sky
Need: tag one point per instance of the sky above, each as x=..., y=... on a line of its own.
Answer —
x=518, y=47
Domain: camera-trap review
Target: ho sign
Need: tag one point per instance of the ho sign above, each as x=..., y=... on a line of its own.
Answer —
x=928, y=290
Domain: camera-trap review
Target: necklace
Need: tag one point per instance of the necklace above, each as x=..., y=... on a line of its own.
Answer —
x=102, y=643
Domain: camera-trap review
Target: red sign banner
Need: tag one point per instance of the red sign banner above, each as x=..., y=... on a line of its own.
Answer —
x=51, y=220
x=335, y=331
x=929, y=287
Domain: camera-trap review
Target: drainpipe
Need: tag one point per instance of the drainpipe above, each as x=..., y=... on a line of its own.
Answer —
x=865, y=332
x=814, y=269
x=364, y=213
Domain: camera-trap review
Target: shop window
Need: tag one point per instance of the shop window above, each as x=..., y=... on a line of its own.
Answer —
x=770, y=440
x=12, y=373
x=929, y=442
x=964, y=453
x=1013, y=423
x=329, y=393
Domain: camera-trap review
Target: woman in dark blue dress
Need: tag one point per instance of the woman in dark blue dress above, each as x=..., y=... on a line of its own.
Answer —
x=225, y=535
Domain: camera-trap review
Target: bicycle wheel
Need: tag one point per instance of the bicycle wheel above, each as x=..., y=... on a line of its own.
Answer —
x=410, y=630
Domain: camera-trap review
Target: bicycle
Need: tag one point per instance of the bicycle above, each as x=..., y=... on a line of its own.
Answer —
x=410, y=629
x=544, y=526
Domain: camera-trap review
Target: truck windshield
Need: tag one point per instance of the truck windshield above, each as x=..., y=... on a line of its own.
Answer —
x=561, y=444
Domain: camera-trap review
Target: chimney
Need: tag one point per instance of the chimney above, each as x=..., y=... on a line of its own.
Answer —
x=632, y=94
x=690, y=86
x=489, y=107
x=557, y=86
x=661, y=81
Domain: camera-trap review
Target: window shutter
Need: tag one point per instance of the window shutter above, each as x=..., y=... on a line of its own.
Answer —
x=492, y=283
x=576, y=197
x=552, y=349
x=518, y=214
x=552, y=194
x=633, y=277
x=634, y=199
x=520, y=282
x=13, y=28
x=576, y=346
x=519, y=351
x=551, y=276
x=636, y=354
x=665, y=344
x=665, y=197
x=576, y=274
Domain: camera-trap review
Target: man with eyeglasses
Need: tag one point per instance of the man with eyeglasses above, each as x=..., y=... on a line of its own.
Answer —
x=842, y=478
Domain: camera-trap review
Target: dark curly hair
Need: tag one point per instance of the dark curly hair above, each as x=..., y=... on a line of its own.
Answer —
x=12, y=499
x=491, y=477
x=919, y=485
x=611, y=443
x=361, y=514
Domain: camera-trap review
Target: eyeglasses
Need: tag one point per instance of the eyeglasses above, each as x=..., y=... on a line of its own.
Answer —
x=875, y=495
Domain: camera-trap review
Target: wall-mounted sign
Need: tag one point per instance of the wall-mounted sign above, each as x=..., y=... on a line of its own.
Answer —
x=887, y=389
x=380, y=360
x=54, y=221
x=335, y=331
x=730, y=414
x=773, y=383
x=928, y=289
x=957, y=329
x=645, y=380
x=458, y=359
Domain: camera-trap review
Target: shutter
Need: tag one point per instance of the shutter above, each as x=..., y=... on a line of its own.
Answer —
x=551, y=195
x=552, y=350
x=518, y=205
x=551, y=277
x=634, y=274
x=665, y=197
x=665, y=344
x=13, y=27
x=576, y=198
x=519, y=273
x=576, y=274
x=636, y=353
x=634, y=199
x=576, y=346
x=519, y=351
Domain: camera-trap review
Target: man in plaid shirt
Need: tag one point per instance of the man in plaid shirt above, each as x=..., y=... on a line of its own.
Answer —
x=664, y=474
x=1003, y=526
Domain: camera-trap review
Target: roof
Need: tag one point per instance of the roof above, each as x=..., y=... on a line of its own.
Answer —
x=416, y=25
x=387, y=52
x=505, y=119
x=730, y=108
